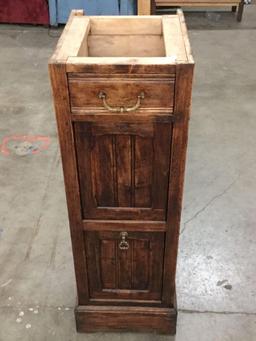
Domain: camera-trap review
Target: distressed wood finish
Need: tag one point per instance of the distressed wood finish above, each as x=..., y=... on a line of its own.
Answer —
x=134, y=273
x=124, y=170
x=137, y=319
x=84, y=92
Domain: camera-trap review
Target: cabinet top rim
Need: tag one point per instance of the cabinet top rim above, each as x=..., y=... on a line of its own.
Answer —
x=156, y=40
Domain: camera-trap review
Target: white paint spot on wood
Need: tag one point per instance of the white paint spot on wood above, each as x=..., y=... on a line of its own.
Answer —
x=30, y=309
x=19, y=320
x=9, y=298
x=28, y=325
x=59, y=308
x=21, y=313
x=36, y=311
x=67, y=308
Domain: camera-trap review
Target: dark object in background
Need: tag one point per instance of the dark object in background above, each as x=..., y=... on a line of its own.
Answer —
x=24, y=12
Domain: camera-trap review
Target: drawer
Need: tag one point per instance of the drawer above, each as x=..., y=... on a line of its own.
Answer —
x=154, y=93
x=125, y=265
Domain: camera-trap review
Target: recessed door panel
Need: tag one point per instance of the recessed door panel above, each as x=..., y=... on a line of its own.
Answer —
x=125, y=265
x=123, y=169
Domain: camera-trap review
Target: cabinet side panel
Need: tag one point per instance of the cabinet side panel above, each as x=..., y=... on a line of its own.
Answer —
x=183, y=88
x=61, y=102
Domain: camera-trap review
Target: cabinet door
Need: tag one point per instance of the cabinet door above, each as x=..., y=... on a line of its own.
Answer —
x=123, y=169
x=125, y=265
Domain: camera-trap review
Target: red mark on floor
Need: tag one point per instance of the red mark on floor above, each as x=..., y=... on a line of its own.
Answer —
x=32, y=144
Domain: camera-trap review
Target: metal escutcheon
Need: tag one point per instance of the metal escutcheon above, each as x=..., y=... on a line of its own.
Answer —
x=123, y=245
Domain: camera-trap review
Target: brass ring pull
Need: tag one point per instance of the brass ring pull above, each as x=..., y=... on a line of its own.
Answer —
x=121, y=109
x=123, y=245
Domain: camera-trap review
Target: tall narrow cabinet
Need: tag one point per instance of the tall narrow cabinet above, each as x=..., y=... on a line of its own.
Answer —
x=122, y=93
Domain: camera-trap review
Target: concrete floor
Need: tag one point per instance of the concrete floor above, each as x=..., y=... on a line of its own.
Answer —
x=217, y=258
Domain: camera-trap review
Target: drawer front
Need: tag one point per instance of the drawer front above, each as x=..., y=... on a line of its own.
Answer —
x=125, y=265
x=121, y=92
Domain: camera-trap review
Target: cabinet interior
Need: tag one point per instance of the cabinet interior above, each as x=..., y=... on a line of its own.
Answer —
x=127, y=37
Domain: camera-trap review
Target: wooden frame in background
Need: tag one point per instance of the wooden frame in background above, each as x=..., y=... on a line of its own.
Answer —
x=147, y=7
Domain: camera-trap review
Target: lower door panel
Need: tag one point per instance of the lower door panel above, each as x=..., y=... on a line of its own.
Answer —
x=125, y=265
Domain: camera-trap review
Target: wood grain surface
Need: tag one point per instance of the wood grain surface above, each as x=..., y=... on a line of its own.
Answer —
x=123, y=171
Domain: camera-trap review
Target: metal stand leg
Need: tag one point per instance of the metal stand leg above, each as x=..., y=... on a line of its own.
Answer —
x=233, y=8
x=240, y=11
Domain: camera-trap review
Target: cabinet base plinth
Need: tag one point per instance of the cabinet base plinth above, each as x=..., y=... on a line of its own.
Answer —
x=137, y=319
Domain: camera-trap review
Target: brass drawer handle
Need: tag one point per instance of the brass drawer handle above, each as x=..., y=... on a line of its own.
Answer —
x=123, y=245
x=121, y=109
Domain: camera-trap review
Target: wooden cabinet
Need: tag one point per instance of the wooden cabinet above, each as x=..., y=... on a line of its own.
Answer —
x=122, y=111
